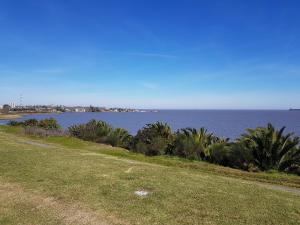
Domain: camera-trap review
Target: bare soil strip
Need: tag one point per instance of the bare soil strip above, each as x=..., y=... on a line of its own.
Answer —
x=295, y=191
x=36, y=144
x=275, y=187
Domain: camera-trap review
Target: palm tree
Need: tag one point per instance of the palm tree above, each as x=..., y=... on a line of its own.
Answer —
x=272, y=149
x=94, y=130
x=119, y=137
x=192, y=143
x=154, y=139
x=160, y=129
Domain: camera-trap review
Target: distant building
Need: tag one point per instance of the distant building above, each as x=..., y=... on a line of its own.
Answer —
x=67, y=109
x=1, y=106
x=5, y=108
x=79, y=109
x=12, y=105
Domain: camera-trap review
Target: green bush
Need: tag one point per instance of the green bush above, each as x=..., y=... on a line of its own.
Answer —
x=218, y=153
x=31, y=123
x=140, y=147
x=96, y=131
x=102, y=132
x=119, y=137
x=15, y=123
x=153, y=139
x=158, y=146
x=240, y=157
x=48, y=124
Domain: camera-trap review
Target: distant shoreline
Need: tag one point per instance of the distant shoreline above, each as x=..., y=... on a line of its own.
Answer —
x=18, y=115
x=11, y=116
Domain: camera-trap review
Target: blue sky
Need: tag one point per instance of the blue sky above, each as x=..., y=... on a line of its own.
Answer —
x=151, y=54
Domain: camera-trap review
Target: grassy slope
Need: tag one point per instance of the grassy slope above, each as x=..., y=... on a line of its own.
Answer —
x=102, y=180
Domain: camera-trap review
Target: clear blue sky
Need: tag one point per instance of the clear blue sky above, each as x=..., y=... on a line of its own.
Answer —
x=151, y=54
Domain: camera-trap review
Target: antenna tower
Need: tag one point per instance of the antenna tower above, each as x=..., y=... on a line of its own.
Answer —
x=21, y=100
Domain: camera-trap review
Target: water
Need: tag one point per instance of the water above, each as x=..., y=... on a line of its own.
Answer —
x=227, y=123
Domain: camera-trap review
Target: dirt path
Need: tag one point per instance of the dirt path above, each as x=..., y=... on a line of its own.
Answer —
x=129, y=161
x=270, y=186
x=295, y=191
x=18, y=140
x=36, y=144
x=68, y=214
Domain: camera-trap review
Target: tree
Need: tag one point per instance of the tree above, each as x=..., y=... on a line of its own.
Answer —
x=6, y=108
x=192, y=143
x=271, y=149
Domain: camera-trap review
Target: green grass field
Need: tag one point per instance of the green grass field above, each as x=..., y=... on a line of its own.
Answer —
x=64, y=180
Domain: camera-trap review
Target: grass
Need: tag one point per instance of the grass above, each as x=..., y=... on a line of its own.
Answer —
x=69, y=177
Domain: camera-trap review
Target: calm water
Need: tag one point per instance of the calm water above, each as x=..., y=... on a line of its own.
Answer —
x=228, y=123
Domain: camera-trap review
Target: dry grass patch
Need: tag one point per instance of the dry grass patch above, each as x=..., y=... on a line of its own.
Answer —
x=9, y=116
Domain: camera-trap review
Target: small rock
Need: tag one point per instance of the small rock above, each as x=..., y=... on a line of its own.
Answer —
x=141, y=193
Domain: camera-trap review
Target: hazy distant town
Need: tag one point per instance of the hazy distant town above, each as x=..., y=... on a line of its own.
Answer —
x=13, y=108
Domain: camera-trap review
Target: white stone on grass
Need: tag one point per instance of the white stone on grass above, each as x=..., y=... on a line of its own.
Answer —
x=141, y=193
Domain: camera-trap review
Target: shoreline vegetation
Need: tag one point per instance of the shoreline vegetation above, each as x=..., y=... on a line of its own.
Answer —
x=256, y=150
x=18, y=115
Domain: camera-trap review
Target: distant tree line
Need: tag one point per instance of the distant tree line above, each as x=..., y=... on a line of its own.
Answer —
x=259, y=149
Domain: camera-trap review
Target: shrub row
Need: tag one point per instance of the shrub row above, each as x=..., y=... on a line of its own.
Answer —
x=42, y=128
x=101, y=132
x=259, y=149
x=47, y=124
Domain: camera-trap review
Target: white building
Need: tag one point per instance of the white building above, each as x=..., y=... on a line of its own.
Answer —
x=1, y=106
x=12, y=105
x=79, y=109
